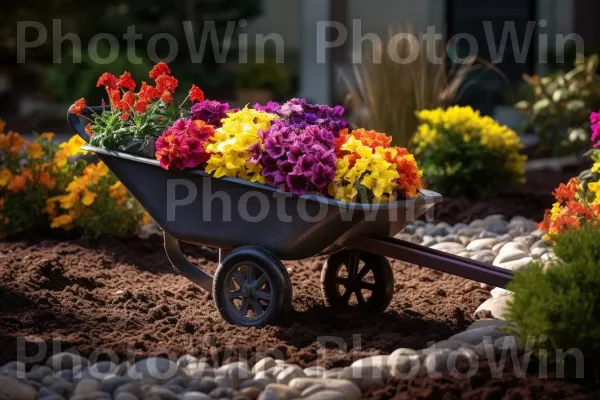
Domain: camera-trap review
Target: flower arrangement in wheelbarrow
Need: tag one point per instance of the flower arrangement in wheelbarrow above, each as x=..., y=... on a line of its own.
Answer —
x=296, y=146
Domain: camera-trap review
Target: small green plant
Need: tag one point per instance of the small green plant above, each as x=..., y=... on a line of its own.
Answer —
x=561, y=302
x=267, y=75
x=560, y=105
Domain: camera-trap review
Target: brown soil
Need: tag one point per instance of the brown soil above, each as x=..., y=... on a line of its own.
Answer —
x=482, y=385
x=124, y=295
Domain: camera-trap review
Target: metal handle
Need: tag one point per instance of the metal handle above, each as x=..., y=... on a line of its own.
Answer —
x=75, y=123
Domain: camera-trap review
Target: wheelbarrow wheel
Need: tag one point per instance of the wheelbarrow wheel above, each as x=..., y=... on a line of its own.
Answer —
x=355, y=279
x=252, y=287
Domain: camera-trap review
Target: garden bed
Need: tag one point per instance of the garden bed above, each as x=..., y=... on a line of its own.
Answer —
x=124, y=296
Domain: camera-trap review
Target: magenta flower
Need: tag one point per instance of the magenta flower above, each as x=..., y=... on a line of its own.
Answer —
x=183, y=145
x=595, y=120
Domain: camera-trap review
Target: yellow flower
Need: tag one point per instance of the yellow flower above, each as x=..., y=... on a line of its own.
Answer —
x=5, y=176
x=88, y=198
x=229, y=145
x=345, y=193
x=68, y=149
x=62, y=221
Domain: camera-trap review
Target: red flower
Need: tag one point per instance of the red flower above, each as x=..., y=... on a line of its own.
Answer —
x=114, y=96
x=196, y=94
x=159, y=69
x=88, y=129
x=166, y=97
x=140, y=106
x=127, y=102
x=124, y=116
x=166, y=82
x=78, y=106
x=107, y=80
x=125, y=81
x=148, y=93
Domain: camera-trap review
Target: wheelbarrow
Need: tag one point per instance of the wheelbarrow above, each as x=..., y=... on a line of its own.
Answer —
x=255, y=226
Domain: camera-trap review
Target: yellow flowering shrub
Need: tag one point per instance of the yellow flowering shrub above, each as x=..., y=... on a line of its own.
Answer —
x=96, y=203
x=229, y=145
x=44, y=185
x=27, y=177
x=463, y=153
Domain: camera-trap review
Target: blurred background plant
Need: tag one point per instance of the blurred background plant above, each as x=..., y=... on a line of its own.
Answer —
x=387, y=94
x=69, y=80
x=96, y=204
x=261, y=82
x=559, y=106
x=462, y=153
x=44, y=184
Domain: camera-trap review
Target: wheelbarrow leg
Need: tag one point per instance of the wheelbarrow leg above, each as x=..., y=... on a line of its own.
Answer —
x=183, y=266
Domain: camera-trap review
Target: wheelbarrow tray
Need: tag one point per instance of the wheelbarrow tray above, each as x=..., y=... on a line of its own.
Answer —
x=227, y=213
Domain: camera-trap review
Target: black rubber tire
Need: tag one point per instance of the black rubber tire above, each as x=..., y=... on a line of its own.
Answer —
x=382, y=290
x=280, y=286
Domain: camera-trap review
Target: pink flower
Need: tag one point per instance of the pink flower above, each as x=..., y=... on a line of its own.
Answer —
x=183, y=145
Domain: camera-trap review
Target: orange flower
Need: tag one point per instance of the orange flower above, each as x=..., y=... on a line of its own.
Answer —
x=196, y=94
x=47, y=180
x=47, y=136
x=339, y=142
x=166, y=97
x=410, y=176
x=372, y=139
x=88, y=129
x=78, y=106
x=544, y=226
x=34, y=150
x=141, y=106
x=125, y=81
x=2, y=126
x=567, y=192
x=17, y=184
x=109, y=81
x=166, y=82
x=159, y=69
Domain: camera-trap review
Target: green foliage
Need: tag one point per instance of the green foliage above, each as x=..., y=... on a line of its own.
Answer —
x=560, y=105
x=110, y=132
x=266, y=75
x=562, y=302
x=458, y=168
x=68, y=80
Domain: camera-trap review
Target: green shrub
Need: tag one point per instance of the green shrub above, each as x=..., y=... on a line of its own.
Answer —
x=562, y=303
x=266, y=75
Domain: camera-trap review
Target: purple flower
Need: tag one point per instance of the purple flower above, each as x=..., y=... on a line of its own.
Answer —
x=210, y=111
x=301, y=114
x=321, y=176
x=305, y=164
x=298, y=184
x=294, y=153
x=271, y=107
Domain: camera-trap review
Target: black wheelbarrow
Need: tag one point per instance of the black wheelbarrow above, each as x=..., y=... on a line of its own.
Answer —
x=256, y=226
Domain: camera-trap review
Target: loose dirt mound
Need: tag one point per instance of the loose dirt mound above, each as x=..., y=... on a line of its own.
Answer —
x=125, y=296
